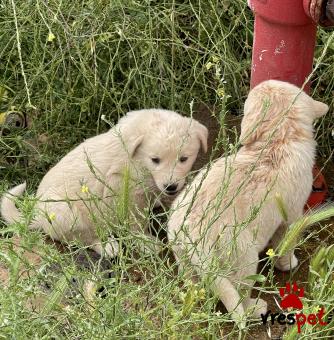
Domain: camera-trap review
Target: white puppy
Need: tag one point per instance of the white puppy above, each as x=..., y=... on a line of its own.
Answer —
x=228, y=214
x=156, y=148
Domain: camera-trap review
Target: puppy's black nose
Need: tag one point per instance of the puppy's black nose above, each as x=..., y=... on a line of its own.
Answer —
x=170, y=188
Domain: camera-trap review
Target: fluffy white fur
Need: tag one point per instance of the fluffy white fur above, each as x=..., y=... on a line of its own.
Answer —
x=140, y=138
x=229, y=213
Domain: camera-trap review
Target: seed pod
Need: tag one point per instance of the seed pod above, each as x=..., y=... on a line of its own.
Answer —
x=317, y=260
x=298, y=227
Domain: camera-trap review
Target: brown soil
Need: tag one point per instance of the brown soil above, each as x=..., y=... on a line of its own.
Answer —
x=29, y=259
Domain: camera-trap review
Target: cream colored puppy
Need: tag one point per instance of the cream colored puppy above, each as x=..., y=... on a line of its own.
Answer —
x=228, y=214
x=156, y=147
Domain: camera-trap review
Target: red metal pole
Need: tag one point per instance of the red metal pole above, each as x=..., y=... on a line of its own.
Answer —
x=284, y=41
x=283, y=48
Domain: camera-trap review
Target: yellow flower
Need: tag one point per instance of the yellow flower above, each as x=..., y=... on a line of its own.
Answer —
x=52, y=216
x=84, y=189
x=51, y=37
x=215, y=59
x=201, y=294
x=221, y=92
x=270, y=252
x=209, y=65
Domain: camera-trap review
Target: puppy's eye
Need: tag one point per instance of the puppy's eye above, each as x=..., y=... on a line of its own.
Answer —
x=183, y=159
x=155, y=160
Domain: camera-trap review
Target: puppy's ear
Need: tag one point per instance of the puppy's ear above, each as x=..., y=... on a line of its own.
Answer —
x=320, y=108
x=134, y=144
x=202, y=133
x=130, y=132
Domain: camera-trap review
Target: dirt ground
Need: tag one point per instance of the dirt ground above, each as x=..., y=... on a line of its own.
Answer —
x=299, y=275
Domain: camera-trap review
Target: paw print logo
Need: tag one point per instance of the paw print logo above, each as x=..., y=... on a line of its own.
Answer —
x=291, y=297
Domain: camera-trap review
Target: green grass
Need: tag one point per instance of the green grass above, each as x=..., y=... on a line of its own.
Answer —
x=64, y=64
x=109, y=57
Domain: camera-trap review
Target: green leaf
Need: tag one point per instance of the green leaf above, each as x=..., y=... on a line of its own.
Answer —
x=256, y=278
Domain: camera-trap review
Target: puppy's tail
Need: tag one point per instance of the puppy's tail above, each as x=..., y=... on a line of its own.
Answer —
x=9, y=212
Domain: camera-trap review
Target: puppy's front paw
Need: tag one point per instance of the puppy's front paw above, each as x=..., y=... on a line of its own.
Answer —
x=286, y=263
x=255, y=307
x=239, y=319
x=112, y=248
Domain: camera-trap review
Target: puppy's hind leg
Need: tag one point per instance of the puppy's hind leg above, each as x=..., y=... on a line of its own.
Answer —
x=228, y=294
x=287, y=262
x=223, y=288
x=254, y=307
x=257, y=306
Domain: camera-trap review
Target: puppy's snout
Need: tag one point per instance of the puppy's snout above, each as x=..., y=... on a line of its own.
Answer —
x=171, y=188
